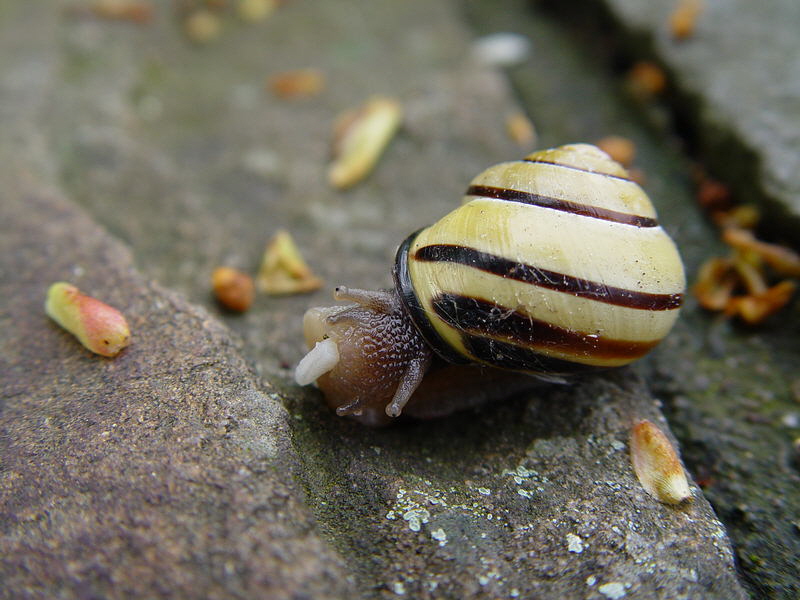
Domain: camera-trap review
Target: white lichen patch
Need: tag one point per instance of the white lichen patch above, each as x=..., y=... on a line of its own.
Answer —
x=398, y=588
x=617, y=445
x=440, y=536
x=416, y=517
x=528, y=477
x=418, y=507
x=574, y=543
x=613, y=590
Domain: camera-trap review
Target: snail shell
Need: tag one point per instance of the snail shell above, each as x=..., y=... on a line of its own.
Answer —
x=553, y=265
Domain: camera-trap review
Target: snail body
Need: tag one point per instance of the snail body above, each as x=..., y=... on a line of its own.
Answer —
x=552, y=266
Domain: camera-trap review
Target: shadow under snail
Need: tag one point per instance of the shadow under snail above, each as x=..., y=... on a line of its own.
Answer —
x=553, y=265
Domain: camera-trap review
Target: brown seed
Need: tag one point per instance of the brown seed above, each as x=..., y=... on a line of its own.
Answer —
x=646, y=80
x=99, y=327
x=619, y=148
x=657, y=465
x=302, y=83
x=233, y=289
x=283, y=270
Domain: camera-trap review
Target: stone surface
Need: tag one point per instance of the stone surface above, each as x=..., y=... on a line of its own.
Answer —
x=730, y=392
x=165, y=472
x=736, y=84
x=180, y=154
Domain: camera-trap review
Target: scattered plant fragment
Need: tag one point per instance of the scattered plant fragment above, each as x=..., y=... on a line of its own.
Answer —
x=684, y=17
x=202, y=26
x=283, y=270
x=783, y=260
x=742, y=285
x=360, y=137
x=657, y=465
x=256, y=10
x=300, y=83
x=645, y=80
x=98, y=326
x=233, y=289
x=621, y=149
x=134, y=11
x=521, y=129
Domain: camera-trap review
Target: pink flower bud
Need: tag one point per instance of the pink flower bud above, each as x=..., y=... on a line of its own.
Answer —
x=98, y=326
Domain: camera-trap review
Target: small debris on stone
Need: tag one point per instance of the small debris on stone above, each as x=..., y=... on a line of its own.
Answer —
x=684, y=17
x=521, y=130
x=783, y=260
x=742, y=285
x=613, y=590
x=256, y=10
x=502, y=49
x=133, y=11
x=99, y=327
x=233, y=289
x=657, y=465
x=359, y=139
x=440, y=536
x=283, y=270
x=574, y=543
x=300, y=83
x=646, y=80
x=619, y=148
x=202, y=26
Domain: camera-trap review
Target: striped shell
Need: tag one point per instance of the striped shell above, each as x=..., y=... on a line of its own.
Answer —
x=554, y=264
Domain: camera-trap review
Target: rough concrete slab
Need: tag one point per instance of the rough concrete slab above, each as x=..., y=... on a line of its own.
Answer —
x=176, y=150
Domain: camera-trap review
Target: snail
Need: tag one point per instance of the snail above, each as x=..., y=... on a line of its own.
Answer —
x=553, y=265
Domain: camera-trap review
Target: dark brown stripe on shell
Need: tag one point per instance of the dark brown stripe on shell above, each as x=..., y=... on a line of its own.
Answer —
x=552, y=280
x=416, y=312
x=487, y=319
x=574, y=168
x=516, y=358
x=574, y=208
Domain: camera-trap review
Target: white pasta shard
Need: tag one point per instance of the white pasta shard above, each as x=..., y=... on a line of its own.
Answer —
x=322, y=358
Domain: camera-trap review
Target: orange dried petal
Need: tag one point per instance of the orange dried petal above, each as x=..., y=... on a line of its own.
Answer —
x=656, y=464
x=715, y=283
x=782, y=259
